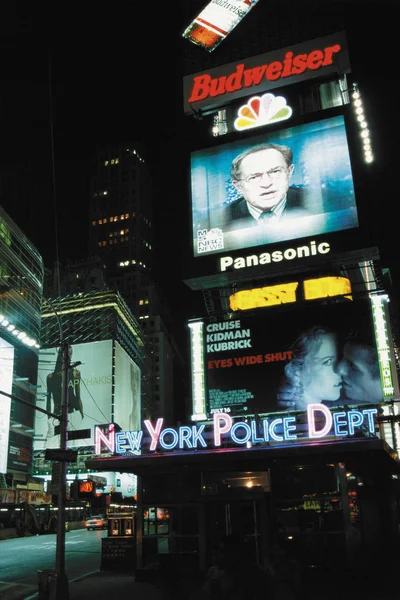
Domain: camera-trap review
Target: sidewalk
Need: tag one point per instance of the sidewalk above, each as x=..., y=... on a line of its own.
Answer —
x=101, y=585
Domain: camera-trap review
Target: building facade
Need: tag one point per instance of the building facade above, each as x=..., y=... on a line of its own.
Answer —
x=21, y=276
x=107, y=357
x=252, y=461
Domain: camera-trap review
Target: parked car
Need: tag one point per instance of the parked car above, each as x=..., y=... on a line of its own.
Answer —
x=96, y=522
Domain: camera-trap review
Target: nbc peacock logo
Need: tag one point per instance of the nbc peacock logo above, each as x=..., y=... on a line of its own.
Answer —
x=262, y=110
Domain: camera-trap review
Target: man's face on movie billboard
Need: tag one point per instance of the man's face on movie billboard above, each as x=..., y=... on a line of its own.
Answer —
x=360, y=383
x=264, y=178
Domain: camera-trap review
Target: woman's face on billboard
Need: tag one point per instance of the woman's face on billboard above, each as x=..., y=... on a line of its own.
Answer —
x=320, y=378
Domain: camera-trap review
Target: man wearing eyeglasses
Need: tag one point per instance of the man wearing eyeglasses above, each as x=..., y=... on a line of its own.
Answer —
x=262, y=176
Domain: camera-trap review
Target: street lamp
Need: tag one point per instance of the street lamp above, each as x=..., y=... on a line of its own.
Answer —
x=62, y=589
x=61, y=583
x=62, y=455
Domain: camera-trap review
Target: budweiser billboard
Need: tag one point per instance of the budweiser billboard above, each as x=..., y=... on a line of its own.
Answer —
x=215, y=22
x=218, y=87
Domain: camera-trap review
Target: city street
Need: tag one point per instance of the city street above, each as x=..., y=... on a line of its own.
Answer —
x=22, y=558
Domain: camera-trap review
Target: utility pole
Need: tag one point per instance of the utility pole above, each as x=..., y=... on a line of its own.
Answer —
x=62, y=586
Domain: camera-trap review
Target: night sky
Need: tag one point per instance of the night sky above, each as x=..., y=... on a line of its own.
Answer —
x=116, y=76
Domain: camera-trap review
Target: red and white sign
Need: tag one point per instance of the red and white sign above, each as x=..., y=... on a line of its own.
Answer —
x=218, y=87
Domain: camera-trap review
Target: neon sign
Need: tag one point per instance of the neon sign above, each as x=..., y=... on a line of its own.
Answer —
x=320, y=423
x=219, y=86
x=205, y=86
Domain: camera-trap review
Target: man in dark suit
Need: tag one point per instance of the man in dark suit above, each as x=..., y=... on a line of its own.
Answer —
x=262, y=176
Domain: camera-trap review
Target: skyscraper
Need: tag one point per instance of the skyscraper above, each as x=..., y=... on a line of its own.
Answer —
x=122, y=236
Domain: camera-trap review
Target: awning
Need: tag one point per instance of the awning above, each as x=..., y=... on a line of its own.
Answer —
x=369, y=452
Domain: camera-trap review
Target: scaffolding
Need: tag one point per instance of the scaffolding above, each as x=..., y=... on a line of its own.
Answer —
x=92, y=317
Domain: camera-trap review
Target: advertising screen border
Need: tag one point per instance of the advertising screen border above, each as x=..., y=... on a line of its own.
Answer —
x=261, y=349
x=320, y=200
x=205, y=271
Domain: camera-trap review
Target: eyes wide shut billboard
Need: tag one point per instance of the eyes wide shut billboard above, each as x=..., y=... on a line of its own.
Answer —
x=280, y=360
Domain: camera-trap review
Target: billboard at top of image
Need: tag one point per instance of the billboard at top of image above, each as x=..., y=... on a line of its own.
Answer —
x=89, y=392
x=216, y=21
x=302, y=186
x=281, y=360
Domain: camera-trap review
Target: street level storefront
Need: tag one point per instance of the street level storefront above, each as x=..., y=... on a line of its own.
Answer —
x=323, y=491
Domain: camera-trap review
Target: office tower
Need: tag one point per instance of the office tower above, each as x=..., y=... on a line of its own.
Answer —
x=122, y=237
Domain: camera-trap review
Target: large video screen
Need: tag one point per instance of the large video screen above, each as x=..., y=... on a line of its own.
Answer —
x=272, y=187
x=278, y=360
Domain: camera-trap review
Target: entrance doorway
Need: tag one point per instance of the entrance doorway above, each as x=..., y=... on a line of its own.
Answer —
x=237, y=504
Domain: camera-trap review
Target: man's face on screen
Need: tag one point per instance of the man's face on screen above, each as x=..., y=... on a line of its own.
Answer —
x=264, y=178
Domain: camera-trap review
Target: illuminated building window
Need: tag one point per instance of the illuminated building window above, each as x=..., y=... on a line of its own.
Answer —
x=127, y=216
x=112, y=161
x=94, y=223
x=100, y=221
x=104, y=220
x=106, y=163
